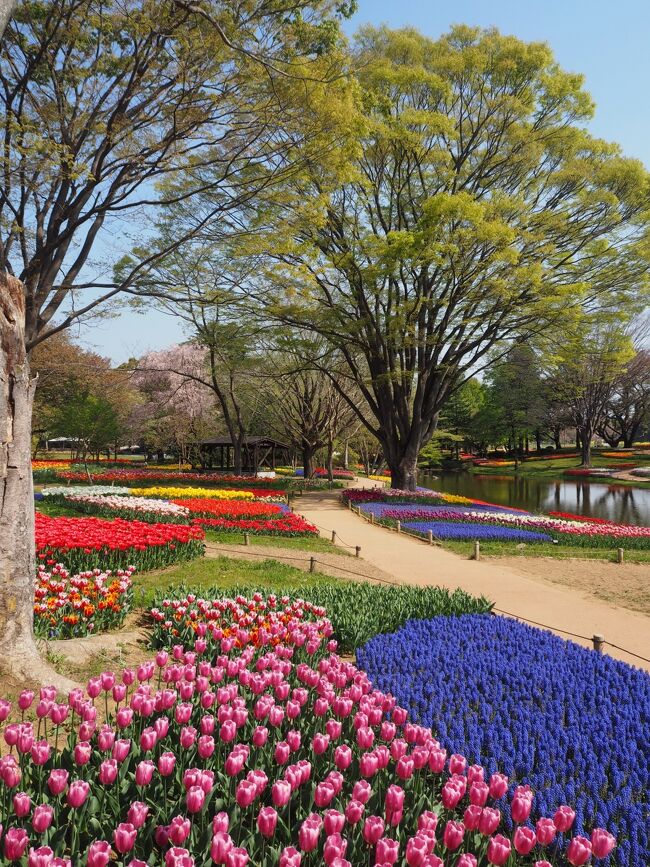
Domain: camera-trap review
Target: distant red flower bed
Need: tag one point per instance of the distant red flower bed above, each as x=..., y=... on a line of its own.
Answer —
x=89, y=543
x=164, y=475
x=569, y=516
x=231, y=508
x=290, y=525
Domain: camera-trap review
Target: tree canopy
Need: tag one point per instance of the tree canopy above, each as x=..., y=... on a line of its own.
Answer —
x=479, y=213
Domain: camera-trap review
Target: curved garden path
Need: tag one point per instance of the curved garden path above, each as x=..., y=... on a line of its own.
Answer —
x=411, y=561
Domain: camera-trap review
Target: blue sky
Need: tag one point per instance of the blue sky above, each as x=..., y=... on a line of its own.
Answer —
x=606, y=41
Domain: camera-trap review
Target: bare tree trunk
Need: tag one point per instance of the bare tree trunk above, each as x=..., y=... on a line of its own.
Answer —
x=585, y=447
x=307, y=461
x=19, y=655
x=404, y=472
x=6, y=7
x=330, y=460
x=237, y=447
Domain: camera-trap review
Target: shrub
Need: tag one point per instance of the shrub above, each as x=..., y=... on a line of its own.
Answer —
x=569, y=721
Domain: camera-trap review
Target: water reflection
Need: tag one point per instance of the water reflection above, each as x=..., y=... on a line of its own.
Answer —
x=594, y=499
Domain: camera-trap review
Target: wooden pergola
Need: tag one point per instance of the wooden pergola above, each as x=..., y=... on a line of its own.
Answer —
x=258, y=453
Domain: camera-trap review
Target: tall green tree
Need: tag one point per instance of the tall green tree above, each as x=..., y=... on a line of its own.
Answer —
x=518, y=390
x=480, y=211
x=102, y=104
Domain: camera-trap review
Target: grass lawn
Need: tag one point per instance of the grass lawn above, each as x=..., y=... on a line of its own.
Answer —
x=559, y=552
x=299, y=543
x=207, y=571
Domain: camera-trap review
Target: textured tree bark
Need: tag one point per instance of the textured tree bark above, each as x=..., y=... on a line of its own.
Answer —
x=6, y=8
x=19, y=655
x=404, y=472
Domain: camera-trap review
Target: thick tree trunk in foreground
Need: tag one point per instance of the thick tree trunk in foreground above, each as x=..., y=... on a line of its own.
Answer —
x=19, y=655
x=404, y=472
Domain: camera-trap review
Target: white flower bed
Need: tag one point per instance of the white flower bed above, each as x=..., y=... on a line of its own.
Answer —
x=91, y=490
x=137, y=504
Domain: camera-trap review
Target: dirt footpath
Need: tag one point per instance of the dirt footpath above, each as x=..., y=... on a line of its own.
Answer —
x=627, y=585
x=562, y=606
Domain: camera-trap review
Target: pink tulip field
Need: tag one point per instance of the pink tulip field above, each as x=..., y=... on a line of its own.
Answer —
x=255, y=743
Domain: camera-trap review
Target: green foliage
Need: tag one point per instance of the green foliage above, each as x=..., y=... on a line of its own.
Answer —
x=480, y=213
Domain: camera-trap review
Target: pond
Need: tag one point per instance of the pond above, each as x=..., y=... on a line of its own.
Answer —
x=594, y=499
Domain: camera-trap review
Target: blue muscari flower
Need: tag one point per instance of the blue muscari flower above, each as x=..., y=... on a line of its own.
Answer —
x=572, y=723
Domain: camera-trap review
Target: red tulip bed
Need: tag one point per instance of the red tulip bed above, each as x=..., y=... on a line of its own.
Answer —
x=72, y=606
x=87, y=543
x=288, y=524
x=268, y=750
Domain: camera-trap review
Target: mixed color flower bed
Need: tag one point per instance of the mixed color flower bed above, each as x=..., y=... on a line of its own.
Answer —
x=88, y=543
x=568, y=721
x=71, y=606
x=450, y=519
x=357, y=611
x=269, y=750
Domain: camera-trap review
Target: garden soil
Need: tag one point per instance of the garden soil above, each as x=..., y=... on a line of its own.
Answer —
x=519, y=588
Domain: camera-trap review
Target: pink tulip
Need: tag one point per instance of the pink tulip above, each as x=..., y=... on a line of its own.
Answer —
x=245, y=793
x=545, y=831
x=453, y=835
x=373, y=828
x=22, y=804
x=15, y=842
x=177, y=857
x=498, y=850
x=187, y=737
x=166, y=764
x=309, y=833
x=417, y=849
x=386, y=851
x=290, y=857
x=602, y=842
x=472, y=817
x=524, y=840
x=108, y=772
x=563, y=819
x=342, y=757
x=82, y=752
x=282, y=752
x=179, y=829
x=40, y=752
x=195, y=799
x=334, y=848
x=478, y=793
x=361, y=791
x=520, y=808
x=57, y=781
x=237, y=857
x=137, y=814
x=543, y=864
x=42, y=818
x=99, y=854
x=267, y=819
x=41, y=857
x=450, y=795
x=281, y=793
x=221, y=822
x=333, y=822
x=489, y=821
x=466, y=860
x=320, y=743
x=25, y=699
x=579, y=851
x=144, y=772
x=498, y=786
x=260, y=736
x=221, y=845
x=354, y=812
x=124, y=837
x=457, y=764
